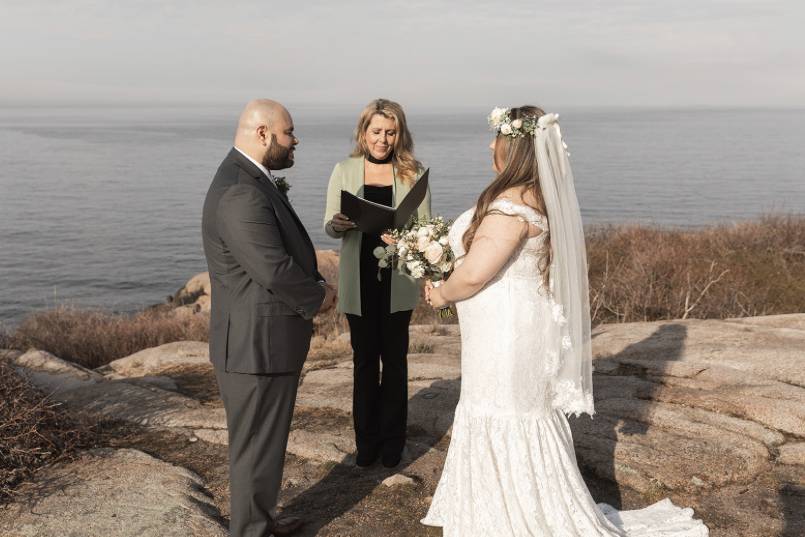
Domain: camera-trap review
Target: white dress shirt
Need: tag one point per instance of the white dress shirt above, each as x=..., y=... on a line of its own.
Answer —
x=262, y=168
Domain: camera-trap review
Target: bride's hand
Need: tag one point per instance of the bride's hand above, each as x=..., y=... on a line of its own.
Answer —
x=388, y=239
x=435, y=298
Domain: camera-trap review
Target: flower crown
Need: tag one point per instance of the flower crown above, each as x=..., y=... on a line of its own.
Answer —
x=501, y=122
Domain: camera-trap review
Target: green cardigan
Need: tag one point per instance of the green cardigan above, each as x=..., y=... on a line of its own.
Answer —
x=348, y=175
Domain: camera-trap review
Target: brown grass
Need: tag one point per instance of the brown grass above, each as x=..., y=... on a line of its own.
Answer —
x=419, y=346
x=637, y=273
x=34, y=430
x=93, y=338
x=645, y=274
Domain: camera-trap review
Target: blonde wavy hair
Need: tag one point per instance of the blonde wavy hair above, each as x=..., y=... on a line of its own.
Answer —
x=403, y=156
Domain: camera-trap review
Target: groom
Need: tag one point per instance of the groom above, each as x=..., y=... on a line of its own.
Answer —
x=265, y=291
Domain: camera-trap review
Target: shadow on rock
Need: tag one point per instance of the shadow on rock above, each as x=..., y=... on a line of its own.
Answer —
x=430, y=416
x=596, y=447
x=792, y=506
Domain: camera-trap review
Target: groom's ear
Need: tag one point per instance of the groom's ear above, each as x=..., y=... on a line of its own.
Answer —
x=263, y=135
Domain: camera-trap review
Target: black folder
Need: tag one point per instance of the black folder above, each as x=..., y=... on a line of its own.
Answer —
x=374, y=218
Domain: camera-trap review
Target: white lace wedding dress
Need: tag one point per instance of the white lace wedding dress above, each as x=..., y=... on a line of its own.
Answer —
x=511, y=468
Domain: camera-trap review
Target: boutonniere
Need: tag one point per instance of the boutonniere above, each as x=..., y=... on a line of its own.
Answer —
x=282, y=185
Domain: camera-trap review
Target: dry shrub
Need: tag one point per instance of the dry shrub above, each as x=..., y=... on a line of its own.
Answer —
x=330, y=323
x=419, y=346
x=6, y=338
x=34, y=430
x=637, y=273
x=94, y=338
x=643, y=274
x=329, y=348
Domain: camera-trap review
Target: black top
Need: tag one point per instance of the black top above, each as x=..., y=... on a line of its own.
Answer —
x=384, y=196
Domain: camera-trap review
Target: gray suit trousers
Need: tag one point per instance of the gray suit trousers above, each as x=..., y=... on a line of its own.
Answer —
x=259, y=409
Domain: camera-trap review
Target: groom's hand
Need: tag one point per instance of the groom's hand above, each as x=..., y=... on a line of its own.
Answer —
x=329, y=298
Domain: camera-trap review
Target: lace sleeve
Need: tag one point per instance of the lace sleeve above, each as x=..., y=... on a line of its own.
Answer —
x=496, y=241
x=528, y=214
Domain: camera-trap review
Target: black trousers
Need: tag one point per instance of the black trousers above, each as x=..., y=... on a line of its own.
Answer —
x=380, y=399
x=259, y=409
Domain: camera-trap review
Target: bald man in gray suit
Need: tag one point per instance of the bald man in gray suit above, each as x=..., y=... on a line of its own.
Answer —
x=266, y=288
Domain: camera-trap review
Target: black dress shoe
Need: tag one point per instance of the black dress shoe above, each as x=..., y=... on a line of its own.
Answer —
x=366, y=458
x=286, y=525
x=390, y=461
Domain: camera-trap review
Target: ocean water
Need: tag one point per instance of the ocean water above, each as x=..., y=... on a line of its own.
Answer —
x=102, y=206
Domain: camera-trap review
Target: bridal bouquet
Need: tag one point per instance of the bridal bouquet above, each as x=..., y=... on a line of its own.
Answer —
x=421, y=251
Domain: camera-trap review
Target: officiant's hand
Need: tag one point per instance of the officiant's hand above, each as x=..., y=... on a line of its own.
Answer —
x=340, y=222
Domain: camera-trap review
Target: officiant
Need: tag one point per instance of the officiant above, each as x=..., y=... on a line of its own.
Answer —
x=378, y=303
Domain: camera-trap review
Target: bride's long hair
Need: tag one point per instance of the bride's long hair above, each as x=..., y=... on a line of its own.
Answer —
x=516, y=158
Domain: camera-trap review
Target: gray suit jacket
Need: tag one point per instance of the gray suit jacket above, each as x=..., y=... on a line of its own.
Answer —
x=262, y=265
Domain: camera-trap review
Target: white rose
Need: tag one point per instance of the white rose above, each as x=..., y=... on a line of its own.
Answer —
x=443, y=241
x=422, y=243
x=498, y=114
x=424, y=231
x=379, y=252
x=517, y=123
x=402, y=251
x=433, y=253
x=506, y=129
x=416, y=269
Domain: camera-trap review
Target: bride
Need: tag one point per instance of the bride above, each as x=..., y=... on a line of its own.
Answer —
x=521, y=293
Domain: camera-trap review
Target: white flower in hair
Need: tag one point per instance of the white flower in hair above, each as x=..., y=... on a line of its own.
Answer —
x=497, y=115
x=501, y=122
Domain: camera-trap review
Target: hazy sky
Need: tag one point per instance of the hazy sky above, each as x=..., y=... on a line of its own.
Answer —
x=423, y=53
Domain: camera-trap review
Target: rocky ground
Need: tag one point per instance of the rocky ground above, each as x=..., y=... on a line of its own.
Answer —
x=709, y=413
